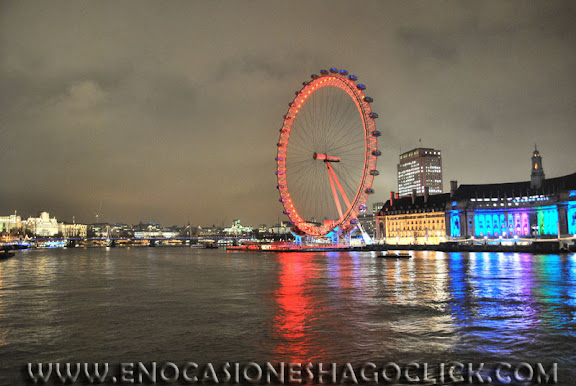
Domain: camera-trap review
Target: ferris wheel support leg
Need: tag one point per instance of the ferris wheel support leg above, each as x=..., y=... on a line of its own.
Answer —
x=297, y=239
x=344, y=196
x=367, y=239
x=331, y=177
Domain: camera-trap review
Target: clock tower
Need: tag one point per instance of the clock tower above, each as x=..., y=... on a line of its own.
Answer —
x=537, y=175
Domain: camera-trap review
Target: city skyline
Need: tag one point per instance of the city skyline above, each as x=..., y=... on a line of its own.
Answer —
x=171, y=111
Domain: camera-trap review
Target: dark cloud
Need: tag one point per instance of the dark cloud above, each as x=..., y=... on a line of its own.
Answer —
x=423, y=43
x=170, y=111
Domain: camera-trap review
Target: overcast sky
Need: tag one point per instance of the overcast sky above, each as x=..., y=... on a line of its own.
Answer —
x=169, y=111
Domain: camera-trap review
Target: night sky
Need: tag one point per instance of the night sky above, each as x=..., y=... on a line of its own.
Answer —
x=170, y=111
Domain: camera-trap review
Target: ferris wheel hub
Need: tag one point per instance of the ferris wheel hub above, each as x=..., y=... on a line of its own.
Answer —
x=325, y=157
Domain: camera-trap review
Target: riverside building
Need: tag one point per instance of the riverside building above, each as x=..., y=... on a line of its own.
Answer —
x=539, y=208
x=412, y=220
x=10, y=222
x=42, y=226
x=73, y=230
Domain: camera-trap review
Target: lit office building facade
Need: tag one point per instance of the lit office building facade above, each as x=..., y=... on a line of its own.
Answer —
x=420, y=168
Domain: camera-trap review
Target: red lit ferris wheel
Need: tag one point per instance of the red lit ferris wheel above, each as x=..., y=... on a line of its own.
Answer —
x=327, y=153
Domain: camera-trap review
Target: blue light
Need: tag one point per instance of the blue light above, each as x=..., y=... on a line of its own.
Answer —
x=333, y=235
x=494, y=223
x=297, y=239
x=455, y=225
x=572, y=220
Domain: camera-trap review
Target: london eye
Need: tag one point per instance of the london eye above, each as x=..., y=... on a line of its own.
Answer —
x=327, y=152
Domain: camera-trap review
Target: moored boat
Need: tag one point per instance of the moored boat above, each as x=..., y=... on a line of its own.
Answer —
x=394, y=255
x=5, y=254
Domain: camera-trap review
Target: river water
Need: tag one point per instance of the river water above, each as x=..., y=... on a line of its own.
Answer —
x=181, y=305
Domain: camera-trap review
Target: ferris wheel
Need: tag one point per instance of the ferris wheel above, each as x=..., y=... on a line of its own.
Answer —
x=327, y=153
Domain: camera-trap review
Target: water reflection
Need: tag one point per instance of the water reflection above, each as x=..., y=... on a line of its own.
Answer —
x=505, y=304
x=296, y=310
x=496, y=305
x=356, y=305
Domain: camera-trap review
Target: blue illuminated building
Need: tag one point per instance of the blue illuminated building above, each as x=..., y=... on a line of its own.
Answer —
x=539, y=208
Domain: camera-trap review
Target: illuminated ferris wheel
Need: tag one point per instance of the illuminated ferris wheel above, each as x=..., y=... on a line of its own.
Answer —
x=327, y=153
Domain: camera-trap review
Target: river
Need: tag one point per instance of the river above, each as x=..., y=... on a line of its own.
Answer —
x=175, y=305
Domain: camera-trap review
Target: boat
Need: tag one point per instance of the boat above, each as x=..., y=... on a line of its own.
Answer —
x=394, y=255
x=246, y=247
x=5, y=254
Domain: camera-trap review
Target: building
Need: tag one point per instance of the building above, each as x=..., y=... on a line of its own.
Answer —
x=419, y=168
x=412, y=220
x=366, y=220
x=539, y=208
x=376, y=207
x=209, y=231
x=73, y=230
x=10, y=223
x=507, y=212
x=146, y=231
x=42, y=226
x=237, y=228
x=514, y=210
x=282, y=228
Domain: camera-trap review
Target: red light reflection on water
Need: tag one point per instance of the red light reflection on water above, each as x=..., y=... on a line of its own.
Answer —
x=292, y=326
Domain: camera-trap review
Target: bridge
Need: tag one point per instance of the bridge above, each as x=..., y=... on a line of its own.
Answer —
x=52, y=242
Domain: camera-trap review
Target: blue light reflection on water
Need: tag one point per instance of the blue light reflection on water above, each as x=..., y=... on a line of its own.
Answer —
x=505, y=304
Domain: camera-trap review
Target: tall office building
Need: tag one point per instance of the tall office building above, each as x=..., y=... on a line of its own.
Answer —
x=420, y=168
